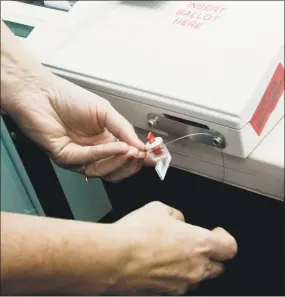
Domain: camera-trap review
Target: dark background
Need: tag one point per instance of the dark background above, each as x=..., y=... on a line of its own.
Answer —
x=255, y=221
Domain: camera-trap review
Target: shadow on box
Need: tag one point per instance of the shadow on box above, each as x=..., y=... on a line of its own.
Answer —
x=256, y=222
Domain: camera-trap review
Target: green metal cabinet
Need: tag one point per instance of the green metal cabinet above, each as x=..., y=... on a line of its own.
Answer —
x=17, y=193
x=88, y=201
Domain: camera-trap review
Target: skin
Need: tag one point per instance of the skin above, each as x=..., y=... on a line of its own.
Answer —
x=134, y=255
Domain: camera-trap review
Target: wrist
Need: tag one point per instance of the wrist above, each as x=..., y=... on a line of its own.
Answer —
x=17, y=92
x=22, y=75
x=62, y=257
x=93, y=260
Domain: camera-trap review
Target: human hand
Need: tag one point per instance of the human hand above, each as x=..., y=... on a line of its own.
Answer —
x=166, y=255
x=80, y=130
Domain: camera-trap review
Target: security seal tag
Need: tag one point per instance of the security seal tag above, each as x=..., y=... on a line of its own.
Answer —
x=163, y=163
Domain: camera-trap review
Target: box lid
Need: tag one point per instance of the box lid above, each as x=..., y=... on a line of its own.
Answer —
x=214, y=58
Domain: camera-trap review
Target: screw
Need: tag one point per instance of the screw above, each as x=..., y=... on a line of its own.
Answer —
x=13, y=135
x=217, y=141
x=153, y=121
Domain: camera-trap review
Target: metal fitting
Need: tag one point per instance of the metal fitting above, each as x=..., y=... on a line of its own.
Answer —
x=218, y=141
x=153, y=121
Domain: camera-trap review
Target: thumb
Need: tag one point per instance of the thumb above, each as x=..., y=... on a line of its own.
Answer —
x=224, y=245
x=122, y=129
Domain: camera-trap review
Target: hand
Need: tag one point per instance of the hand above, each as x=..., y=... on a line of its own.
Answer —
x=166, y=255
x=80, y=130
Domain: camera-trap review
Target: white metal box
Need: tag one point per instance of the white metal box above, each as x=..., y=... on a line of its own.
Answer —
x=217, y=64
x=262, y=171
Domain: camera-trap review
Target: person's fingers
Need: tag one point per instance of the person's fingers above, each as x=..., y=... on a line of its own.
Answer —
x=106, y=116
x=129, y=169
x=149, y=161
x=75, y=154
x=161, y=208
x=112, y=164
x=104, y=167
x=122, y=129
x=223, y=245
x=204, y=270
x=177, y=215
x=105, y=137
x=213, y=269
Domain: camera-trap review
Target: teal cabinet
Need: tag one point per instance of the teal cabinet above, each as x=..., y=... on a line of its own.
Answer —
x=87, y=201
x=14, y=197
x=17, y=193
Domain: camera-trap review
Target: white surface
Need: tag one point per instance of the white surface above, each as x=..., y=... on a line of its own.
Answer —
x=163, y=163
x=215, y=75
x=31, y=15
x=27, y=14
x=191, y=66
x=262, y=171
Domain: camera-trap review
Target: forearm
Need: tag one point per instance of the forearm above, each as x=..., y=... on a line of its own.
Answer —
x=53, y=256
x=20, y=71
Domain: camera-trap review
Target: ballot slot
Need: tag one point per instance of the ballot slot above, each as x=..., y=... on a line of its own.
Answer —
x=187, y=122
x=178, y=128
x=164, y=123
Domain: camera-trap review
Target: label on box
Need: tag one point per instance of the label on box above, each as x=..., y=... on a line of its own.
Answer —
x=269, y=100
x=163, y=164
